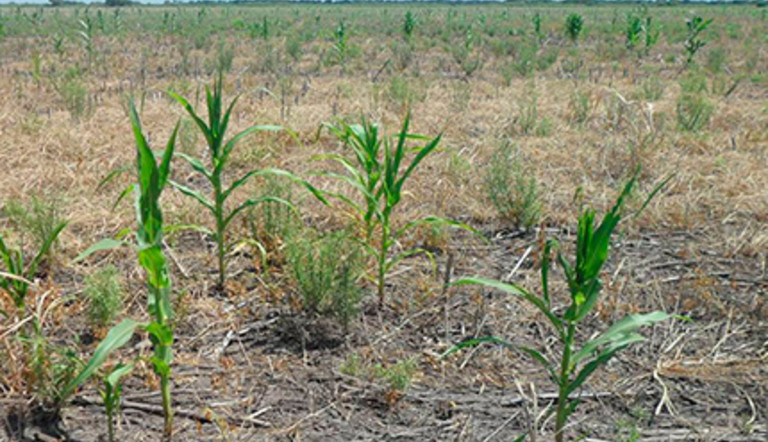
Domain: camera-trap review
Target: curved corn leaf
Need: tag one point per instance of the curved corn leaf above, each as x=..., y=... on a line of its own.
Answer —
x=191, y=111
x=196, y=164
x=506, y=344
x=194, y=194
x=235, y=139
x=601, y=359
x=117, y=336
x=104, y=244
x=45, y=247
x=173, y=228
x=253, y=202
x=113, y=174
x=113, y=378
x=519, y=291
x=391, y=262
x=619, y=331
x=435, y=220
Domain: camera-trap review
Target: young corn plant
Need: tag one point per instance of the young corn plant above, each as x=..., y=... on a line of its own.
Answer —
x=574, y=23
x=634, y=31
x=536, y=21
x=409, y=25
x=576, y=363
x=375, y=172
x=220, y=149
x=111, y=395
x=152, y=179
x=16, y=277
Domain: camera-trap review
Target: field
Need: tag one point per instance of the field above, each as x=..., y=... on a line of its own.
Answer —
x=330, y=304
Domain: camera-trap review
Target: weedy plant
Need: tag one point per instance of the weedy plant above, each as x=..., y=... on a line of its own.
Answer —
x=576, y=364
x=220, y=150
x=574, y=24
x=327, y=270
x=510, y=189
x=693, y=112
x=374, y=171
x=693, y=42
x=105, y=296
x=152, y=179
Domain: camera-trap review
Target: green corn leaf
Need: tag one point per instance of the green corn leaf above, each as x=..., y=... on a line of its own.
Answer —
x=117, y=336
x=147, y=209
x=165, y=164
x=45, y=247
x=194, y=194
x=391, y=262
x=256, y=201
x=619, y=330
x=590, y=293
x=419, y=157
x=234, y=140
x=113, y=379
x=127, y=191
x=196, y=164
x=434, y=220
x=506, y=344
x=602, y=358
x=173, y=228
x=191, y=111
x=112, y=175
x=160, y=334
x=518, y=291
x=545, y=261
x=104, y=244
x=596, y=252
x=272, y=172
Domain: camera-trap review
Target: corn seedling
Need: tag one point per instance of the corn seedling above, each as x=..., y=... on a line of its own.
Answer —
x=111, y=395
x=16, y=277
x=576, y=365
x=651, y=34
x=574, y=24
x=40, y=218
x=149, y=236
x=374, y=171
x=693, y=42
x=409, y=25
x=536, y=21
x=220, y=150
x=340, y=46
x=85, y=34
x=634, y=31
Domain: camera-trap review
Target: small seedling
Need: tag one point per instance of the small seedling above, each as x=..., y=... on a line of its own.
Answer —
x=574, y=24
x=693, y=42
x=111, y=395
